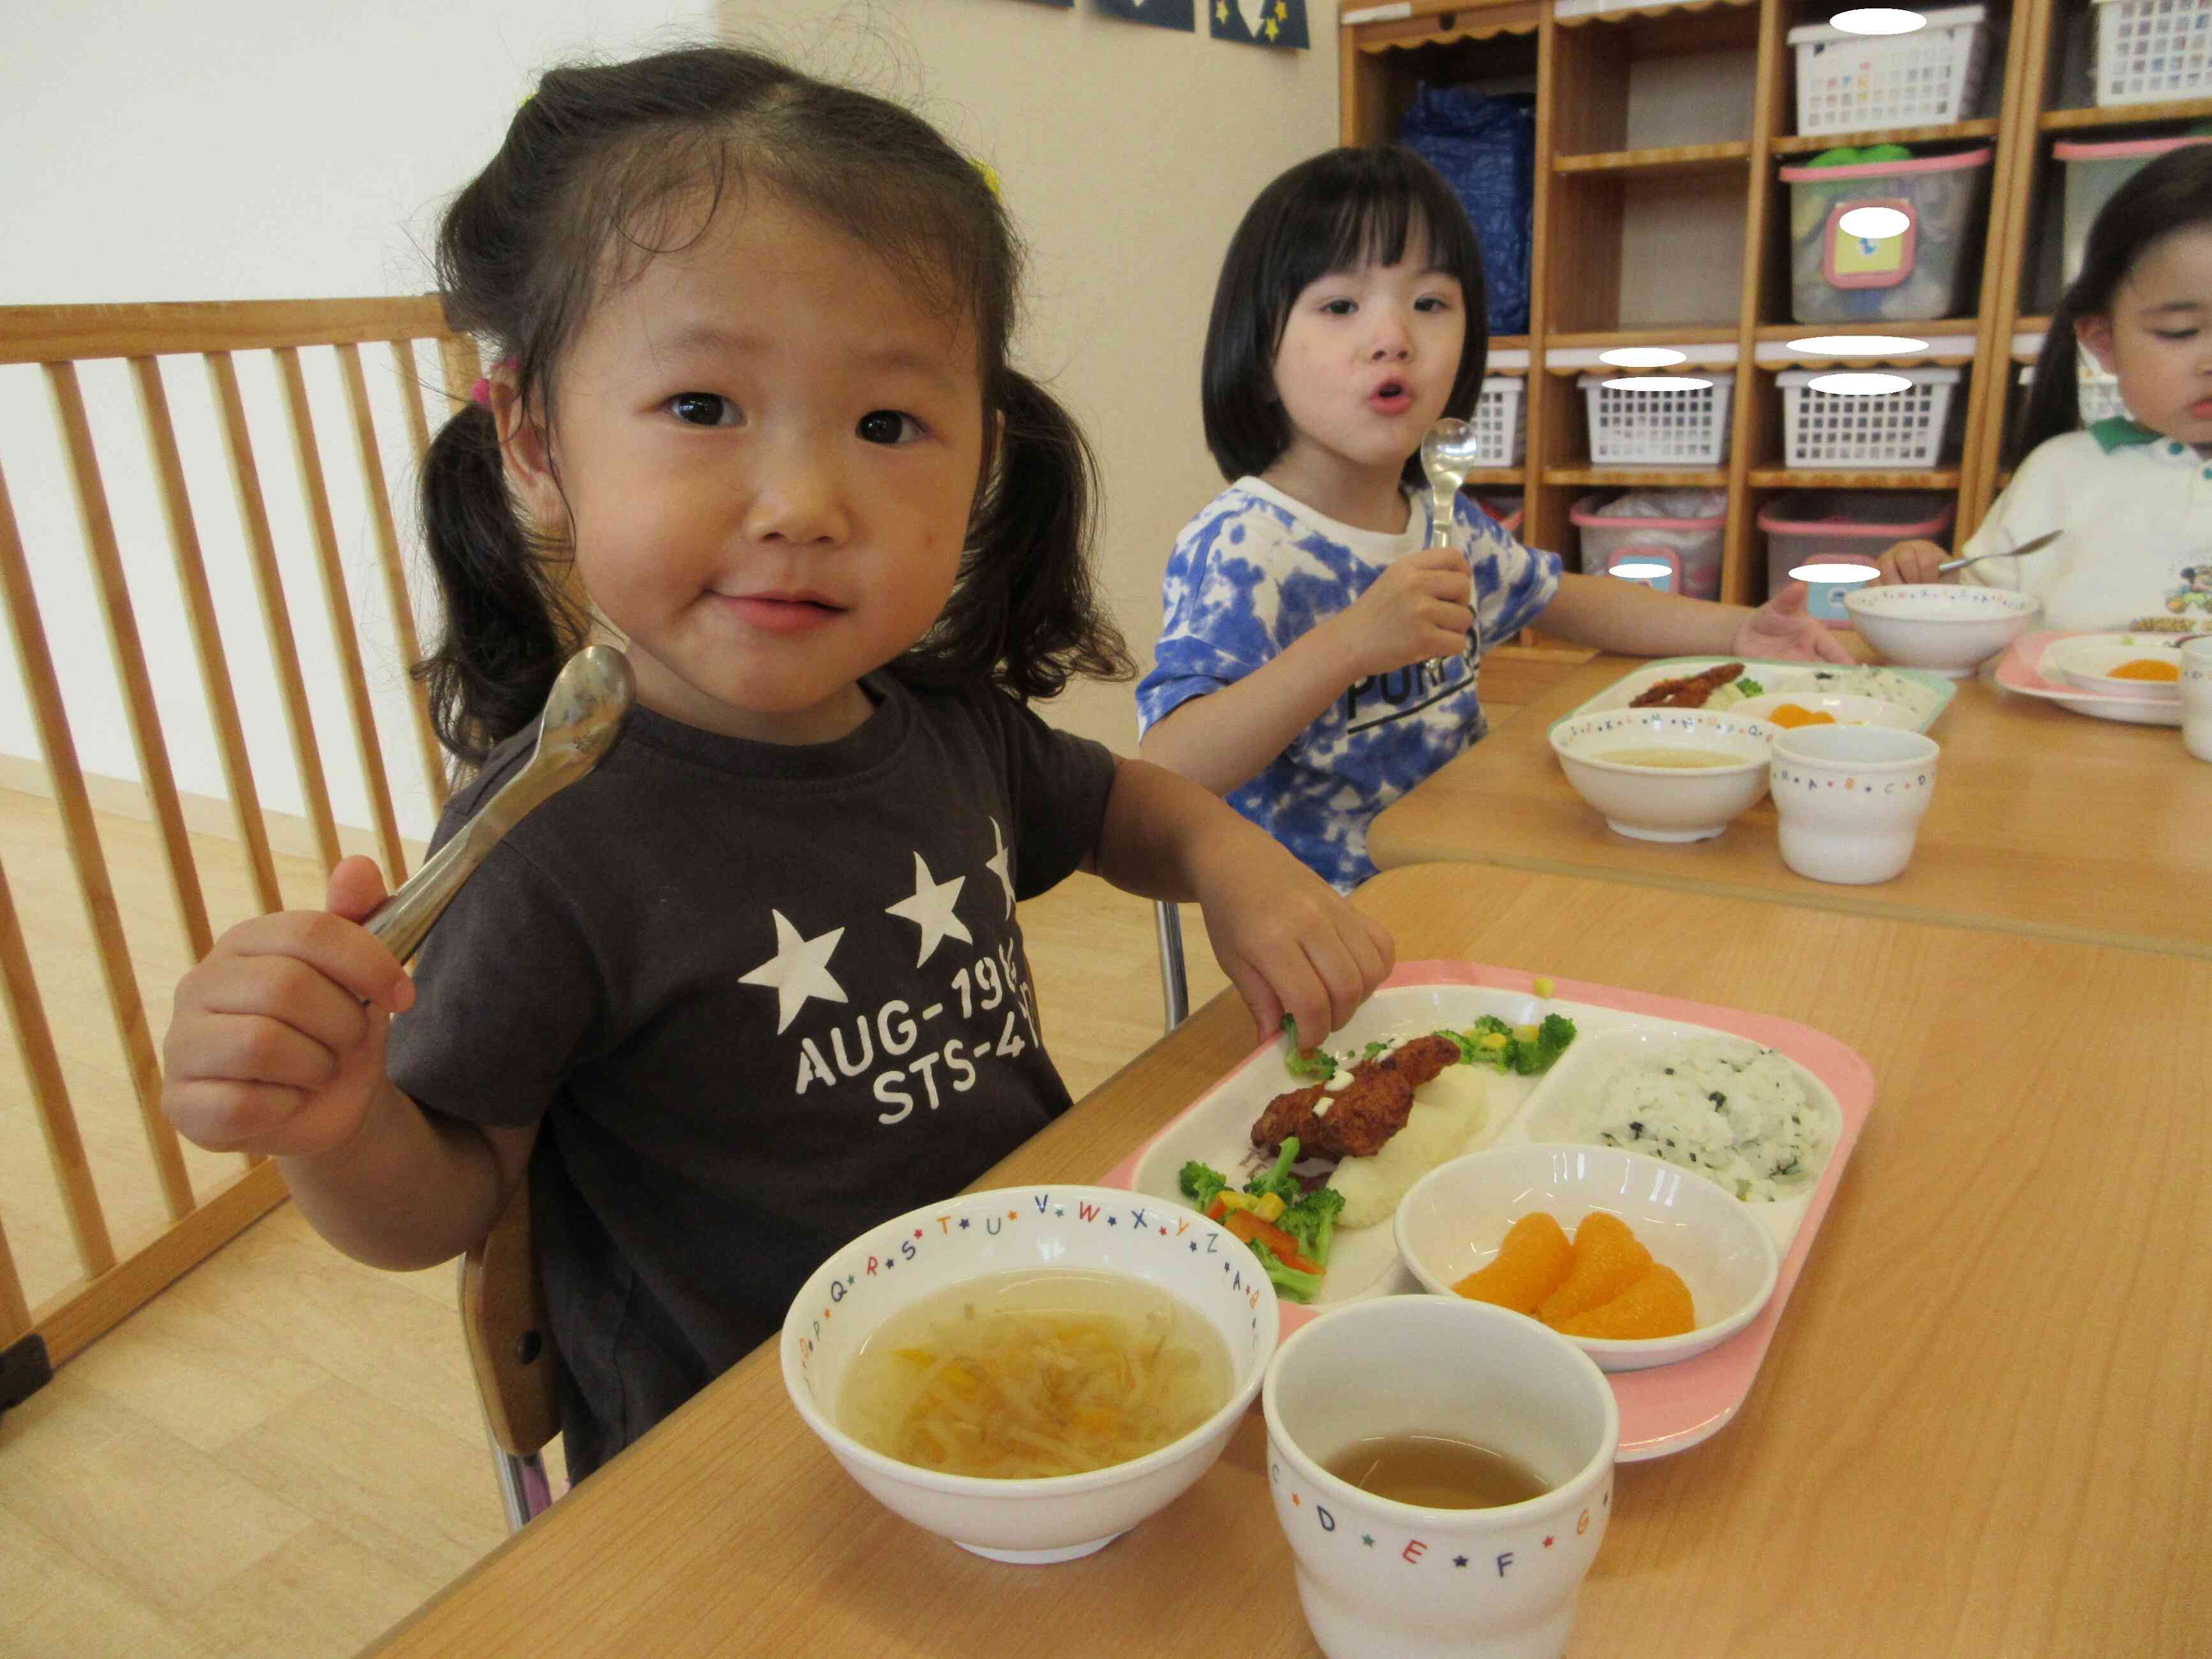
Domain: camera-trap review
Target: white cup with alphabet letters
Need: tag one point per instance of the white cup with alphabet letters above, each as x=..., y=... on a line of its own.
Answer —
x=1384, y=1579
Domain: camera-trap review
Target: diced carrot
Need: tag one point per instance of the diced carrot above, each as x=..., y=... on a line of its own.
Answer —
x=1248, y=1227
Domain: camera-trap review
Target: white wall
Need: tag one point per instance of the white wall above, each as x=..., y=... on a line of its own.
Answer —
x=262, y=149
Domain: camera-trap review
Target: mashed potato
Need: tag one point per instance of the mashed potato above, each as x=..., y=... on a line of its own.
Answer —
x=1449, y=1111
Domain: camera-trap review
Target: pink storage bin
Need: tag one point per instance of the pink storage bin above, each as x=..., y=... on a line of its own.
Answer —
x=1506, y=509
x=1845, y=527
x=2093, y=171
x=1689, y=548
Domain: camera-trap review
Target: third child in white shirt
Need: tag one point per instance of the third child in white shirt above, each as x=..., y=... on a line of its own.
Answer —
x=2132, y=495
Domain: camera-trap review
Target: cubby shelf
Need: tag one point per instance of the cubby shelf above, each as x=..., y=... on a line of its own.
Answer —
x=1636, y=477
x=2126, y=115
x=1789, y=478
x=1678, y=160
x=1956, y=132
x=1660, y=132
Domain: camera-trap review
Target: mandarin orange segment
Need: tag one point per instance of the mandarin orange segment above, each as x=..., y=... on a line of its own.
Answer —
x=1657, y=1304
x=1608, y=1258
x=1532, y=1263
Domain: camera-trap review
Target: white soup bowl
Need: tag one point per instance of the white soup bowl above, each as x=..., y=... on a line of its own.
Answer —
x=1101, y=1229
x=1651, y=803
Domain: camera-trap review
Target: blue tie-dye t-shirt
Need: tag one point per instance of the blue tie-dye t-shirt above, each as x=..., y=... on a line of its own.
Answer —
x=1255, y=570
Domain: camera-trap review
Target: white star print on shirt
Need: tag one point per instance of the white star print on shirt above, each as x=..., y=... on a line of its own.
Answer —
x=930, y=910
x=799, y=969
x=998, y=864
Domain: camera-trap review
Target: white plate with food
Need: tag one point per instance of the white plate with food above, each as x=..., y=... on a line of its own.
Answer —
x=1724, y=684
x=1609, y=1084
x=2145, y=668
x=2025, y=669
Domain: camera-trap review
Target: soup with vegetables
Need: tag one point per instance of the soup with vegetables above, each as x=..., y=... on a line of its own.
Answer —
x=1025, y=1375
x=1672, y=758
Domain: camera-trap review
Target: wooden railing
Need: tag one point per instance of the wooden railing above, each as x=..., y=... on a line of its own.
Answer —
x=112, y=1277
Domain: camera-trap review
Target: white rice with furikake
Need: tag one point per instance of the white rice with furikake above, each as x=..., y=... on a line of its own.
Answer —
x=1733, y=1112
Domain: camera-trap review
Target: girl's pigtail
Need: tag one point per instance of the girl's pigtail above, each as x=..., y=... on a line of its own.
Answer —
x=2053, y=405
x=509, y=627
x=1026, y=612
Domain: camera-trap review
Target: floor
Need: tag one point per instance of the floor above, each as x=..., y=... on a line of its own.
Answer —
x=281, y=1456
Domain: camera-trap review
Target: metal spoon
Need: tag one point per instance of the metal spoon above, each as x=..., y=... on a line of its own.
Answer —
x=1449, y=451
x=582, y=717
x=2035, y=545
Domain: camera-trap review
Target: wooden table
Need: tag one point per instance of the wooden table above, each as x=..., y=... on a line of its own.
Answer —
x=1984, y=1426
x=2044, y=822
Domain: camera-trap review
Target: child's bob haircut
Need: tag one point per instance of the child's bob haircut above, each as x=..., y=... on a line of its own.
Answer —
x=1335, y=212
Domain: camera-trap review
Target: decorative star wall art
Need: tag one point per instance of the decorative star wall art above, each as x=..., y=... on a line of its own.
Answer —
x=1161, y=14
x=1259, y=22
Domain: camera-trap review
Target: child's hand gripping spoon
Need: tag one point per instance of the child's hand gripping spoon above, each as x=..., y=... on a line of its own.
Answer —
x=582, y=717
x=1449, y=453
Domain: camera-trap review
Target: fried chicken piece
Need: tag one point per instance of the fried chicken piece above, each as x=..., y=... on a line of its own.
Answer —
x=1369, y=1111
x=1690, y=691
x=1287, y=1115
x=1365, y=1112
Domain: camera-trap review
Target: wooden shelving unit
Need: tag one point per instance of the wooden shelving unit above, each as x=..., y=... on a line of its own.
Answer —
x=1660, y=219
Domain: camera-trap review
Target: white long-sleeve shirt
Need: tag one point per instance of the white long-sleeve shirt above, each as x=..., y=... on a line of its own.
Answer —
x=2136, y=510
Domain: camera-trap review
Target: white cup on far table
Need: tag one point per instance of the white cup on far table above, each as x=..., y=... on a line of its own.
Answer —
x=2197, y=696
x=1849, y=800
x=1380, y=1579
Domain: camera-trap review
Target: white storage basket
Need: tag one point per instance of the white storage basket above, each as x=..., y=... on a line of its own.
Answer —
x=1665, y=423
x=1501, y=421
x=1852, y=83
x=2098, y=393
x=2150, y=51
x=1907, y=428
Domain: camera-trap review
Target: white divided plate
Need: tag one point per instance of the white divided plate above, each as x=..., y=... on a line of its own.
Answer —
x=1364, y=1261
x=2087, y=661
x=1775, y=677
x=1844, y=710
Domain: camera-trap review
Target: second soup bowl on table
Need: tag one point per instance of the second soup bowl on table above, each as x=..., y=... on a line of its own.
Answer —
x=1947, y=629
x=891, y=1309
x=1668, y=775
x=1453, y=1221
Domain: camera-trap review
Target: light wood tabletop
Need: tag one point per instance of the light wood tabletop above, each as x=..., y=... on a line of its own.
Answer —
x=2043, y=822
x=1983, y=1426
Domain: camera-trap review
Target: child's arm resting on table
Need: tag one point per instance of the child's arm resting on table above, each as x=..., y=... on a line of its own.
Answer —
x=277, y=1047
x=1288, y=940
x=1613, y=615
x=1420, y=607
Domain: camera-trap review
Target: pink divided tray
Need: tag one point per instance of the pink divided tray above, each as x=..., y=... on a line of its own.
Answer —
x=1670, y=1408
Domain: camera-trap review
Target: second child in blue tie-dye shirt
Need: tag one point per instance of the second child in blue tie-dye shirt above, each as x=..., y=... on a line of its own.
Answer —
x=1317, y=658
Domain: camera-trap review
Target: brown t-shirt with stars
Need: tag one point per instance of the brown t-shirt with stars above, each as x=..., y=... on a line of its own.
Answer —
x=758, y=999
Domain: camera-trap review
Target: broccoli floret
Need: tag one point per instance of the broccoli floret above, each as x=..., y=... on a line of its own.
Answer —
x=1279, y=1179
x=1750, y=687
x=1312, y=1222
x=1290, y=1284
x=1314, y=1064
x=1201, y=1184
x=1553, y=1037
x=1488, y=1042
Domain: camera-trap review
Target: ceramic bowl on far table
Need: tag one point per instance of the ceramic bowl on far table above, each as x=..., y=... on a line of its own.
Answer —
x=1453, y=1221
x=1947, y=629
x=1100, y=1230
x=2087, y=661
x=1664, y=803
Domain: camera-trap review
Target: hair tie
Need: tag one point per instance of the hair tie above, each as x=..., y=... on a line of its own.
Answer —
x=481, y=393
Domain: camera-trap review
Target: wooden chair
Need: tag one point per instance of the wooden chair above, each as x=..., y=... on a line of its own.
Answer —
x=518, y=1368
